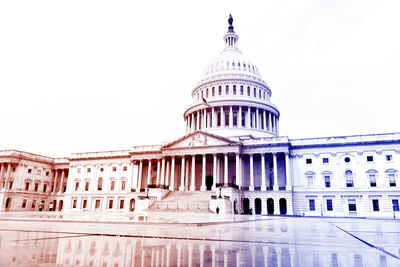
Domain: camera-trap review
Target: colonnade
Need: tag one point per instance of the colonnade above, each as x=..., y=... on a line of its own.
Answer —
x=59, y=180
x=166, y=171
x=5, y=174
x=232, y=116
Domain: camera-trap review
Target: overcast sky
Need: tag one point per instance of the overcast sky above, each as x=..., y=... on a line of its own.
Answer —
x=79, y=76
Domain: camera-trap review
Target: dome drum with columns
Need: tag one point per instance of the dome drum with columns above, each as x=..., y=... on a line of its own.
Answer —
x=231, y=99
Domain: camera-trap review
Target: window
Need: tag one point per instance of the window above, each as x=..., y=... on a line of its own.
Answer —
x=39, y=172
x=227, y=90
x=310, y=181
x=121, y=204
x=370, y=158
x=207, y=93
x=110, y=204
x=11, y=184
x=88, y=169
x=347, y=159
x=220, y=90
x=391, y=175
x=114, y=169
x=26, y=186
x=100, y=184
x=79, y=170
x=234, y=89
x=352, y=205
x=325, y=160
x=24, y=203
x=97, y=204
x=349, y=178
x=329, y=206
x=395, y=203
x=44, y=187
x=87, y=186
x=36, y=187
x=13, y=169
x=389, y=158
x=248, y=90
x=375, y=205
x=101, y=169
x=33, y=204
x=29, y=170
x=213, y=91
x=76, y=186
x=123, y=185
x=74, y=202
x=112, y=186
x=125, y=168
x=311, y=204
x=259, y=93
x=372, y=179
x=47, y=173
x=241, y=90
x=308, y=161
x=327, y=181
x=84, y=205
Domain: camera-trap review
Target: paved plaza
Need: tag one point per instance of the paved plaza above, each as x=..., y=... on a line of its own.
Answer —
x=184, y=239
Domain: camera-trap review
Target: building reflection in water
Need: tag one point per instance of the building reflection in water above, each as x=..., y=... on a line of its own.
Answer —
x=42, y=249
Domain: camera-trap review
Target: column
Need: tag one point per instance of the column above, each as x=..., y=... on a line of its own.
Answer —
x=239, y=258
x=178, y=255
x=172, y=184
x=251, y=188
x=239, y=116
x=203, y=174
x=55, y=181
x=263, y=180
x=276, y=186
x=277, y=125
x=158, y=171
x=257, y=119
x=198, y=121
x=205, y=119
x=264, y=120
x=192, y=183
x=214, y=171
x=139, y=186
x=222, y=117
x=62, y=181
x=162, y=171
x=182, y=186
x=248, y=121
x=167, y=175
x=168, y=250
x=201, y=250
x=213, y=120
x=253, y=119
x=230, y=117
x=266, y=252
x=192, y=122
x=6, y=186
x=238, y=178
x=288, y=172
x=269, y=122
x=212, y=255
x=149, y=173
x=190, y=256
x=226, y=169
x=1, y=174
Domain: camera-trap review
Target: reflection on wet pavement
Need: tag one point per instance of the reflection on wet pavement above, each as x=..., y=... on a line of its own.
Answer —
x=268, y=241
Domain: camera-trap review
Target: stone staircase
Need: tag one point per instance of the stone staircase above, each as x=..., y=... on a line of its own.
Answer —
x=186, y=201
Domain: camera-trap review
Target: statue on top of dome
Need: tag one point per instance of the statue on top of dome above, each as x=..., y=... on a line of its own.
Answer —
x=230, y=21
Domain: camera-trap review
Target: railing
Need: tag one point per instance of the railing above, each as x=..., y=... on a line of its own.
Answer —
x=160, y=186
x=232, y=185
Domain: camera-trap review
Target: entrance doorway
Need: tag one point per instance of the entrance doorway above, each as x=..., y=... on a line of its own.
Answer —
x=258, y=208
x=60, y=205
x=132, y=205
x=209, y=182
x=270, y=206
x=8, y=203
x=282, y=206
x=54, y=205
x=246, y=206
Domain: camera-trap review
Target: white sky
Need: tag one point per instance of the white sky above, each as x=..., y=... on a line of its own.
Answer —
x=80, y=76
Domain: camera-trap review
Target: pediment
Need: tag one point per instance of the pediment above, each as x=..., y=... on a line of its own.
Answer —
x=200, y=139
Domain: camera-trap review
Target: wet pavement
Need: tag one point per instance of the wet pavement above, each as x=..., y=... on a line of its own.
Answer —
x=170, y=239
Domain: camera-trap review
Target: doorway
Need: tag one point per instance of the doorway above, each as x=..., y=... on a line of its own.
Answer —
x=132, y=205
x=60, y=205
x=282, y=206
x=246, y=206
x=258, y=207
x=270, y=206
x=8, y=203
x=209, y=182
x=54, y=205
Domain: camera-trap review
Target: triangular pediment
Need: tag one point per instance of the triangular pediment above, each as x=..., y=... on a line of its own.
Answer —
x=200, y=139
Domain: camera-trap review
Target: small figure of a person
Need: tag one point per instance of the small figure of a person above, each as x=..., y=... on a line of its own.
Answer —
x=251, y=211
x=217, y=210
x=51, y=206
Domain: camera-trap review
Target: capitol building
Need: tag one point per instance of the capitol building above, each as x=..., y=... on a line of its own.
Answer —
x=231, y=159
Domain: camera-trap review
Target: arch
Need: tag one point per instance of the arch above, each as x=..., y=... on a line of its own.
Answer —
x=391, y=171
x=372, y=171
x=283, y=206
x=270, y=206
x=8, y=203
x=246, y=206
x=60, y=205
x=209, y=182
x=257, y=204
x=54, y=205
x=132, y=205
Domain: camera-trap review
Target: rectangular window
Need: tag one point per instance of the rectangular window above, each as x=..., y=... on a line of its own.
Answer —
x=86, y=186
x=370, y=158
x=325, y=160
x=88, y=170
x=329, y=206
x=121, y=204
x=44, y=187
x=47, y=173
x=97, y=204
x=26, y=186
x=311, y=204
x=248, y=90
x=36, y=187
x=241, y=90
x=24, y=203
x=125, y=168
x=76, y=186
x=74, y=202
x=213, y=91
x=395, y=203
x=29, y=170
x=375, y=205
x=220, y=90
x=123, y=185
x=310, y=181
x=352, y=205
x=84, y=205
x=389, y=158
x=112, y=186
x=110, y=203
x=308, y=161
x=372, y=180
x=392, y=179
x=227, y=90
x=114, y=169
x=327, y=181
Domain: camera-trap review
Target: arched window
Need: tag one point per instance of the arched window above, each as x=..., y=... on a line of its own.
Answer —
x=259, y=93
x=220, y=90
x=207, y=93
x=213, y=91
x=391, y=174
x=255, y=92
x=100, y=184
x=227, y=90
x=310, y=179
x=372, y=175
x=234, y=89
x=349, y=178
x=248, y=90
x=241, y=90
x=327, y=175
